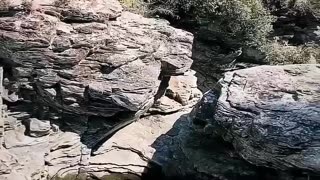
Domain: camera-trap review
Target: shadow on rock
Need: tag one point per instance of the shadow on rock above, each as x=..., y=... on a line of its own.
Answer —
x=191, y=150
x=182, y=153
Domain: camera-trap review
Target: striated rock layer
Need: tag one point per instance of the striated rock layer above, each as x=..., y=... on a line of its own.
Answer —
x=270, y=114
x=89, y=90
x=74, y=73
x=80, y=64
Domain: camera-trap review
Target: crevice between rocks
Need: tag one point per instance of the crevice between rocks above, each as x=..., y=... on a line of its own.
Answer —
x=110, y=133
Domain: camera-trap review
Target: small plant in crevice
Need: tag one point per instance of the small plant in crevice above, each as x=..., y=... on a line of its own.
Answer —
x=137, y=6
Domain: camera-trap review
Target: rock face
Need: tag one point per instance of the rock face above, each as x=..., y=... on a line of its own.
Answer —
x=270, y=114
x=74, y=73
x=166, y=147
x=211, y=60
x=1, y=103
x=92, y=68
x=134, y=146
x=88, y=90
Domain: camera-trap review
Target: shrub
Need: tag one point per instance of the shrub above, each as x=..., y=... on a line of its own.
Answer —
x=245, y=21
x=279, y=54
x=137, y=6
x=130, y=3
x=302, y=6
x=315, y=6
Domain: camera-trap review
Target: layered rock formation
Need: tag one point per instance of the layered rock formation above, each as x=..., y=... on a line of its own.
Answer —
x=93, y=92
x=252, y=127
x=270, y=114
x=75, y=72
x=91, y=68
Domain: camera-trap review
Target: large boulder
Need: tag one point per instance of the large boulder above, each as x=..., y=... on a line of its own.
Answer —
x=79, y=64
x=270, y=114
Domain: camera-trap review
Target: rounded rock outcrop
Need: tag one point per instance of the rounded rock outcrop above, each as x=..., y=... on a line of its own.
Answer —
x=271, y=115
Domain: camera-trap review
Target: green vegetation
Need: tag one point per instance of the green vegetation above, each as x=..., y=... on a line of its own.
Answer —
x=305, y=6
x=137, y=6
x=244, y=21
x=130, y=3
x=315, y=6
x=279, y=54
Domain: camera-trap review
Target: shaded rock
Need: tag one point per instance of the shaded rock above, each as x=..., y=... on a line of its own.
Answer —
x=270, y=114
x=204, y=112
x=195, y=156
x=164, y=147
x=131, y=150
x=212, y=60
